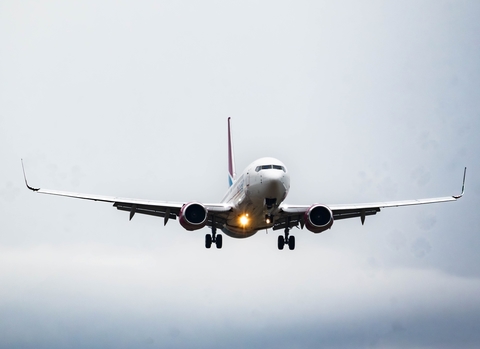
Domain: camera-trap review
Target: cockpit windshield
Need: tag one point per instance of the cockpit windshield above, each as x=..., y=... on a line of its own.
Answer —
x=269, y=167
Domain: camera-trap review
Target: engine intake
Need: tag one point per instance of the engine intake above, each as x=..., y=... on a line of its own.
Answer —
x=193, y=216
x=318, y=218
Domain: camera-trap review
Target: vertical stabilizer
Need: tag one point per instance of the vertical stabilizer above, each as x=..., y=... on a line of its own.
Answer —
x=231, y=158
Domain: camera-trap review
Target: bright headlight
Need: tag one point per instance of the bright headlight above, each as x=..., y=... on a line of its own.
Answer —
x=244, y=220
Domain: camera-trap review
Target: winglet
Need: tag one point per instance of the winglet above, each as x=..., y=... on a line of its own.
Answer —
x=25, y=177
x=463, y=185
x=231, y=159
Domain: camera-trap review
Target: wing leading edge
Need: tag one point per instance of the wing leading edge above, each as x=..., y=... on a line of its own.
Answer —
x=289, y=215
x=167, y=210
x=292, y=215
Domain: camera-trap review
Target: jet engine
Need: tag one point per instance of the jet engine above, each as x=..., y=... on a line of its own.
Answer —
x=318, y=218
x=193, y=216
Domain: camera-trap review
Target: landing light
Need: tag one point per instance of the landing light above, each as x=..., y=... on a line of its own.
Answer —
x=244, y=219
x=268, y=219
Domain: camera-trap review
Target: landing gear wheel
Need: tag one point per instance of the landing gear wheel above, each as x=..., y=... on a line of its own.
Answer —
x=291, y=242
x=219, y=241
x=281, y=242
x=208, y=241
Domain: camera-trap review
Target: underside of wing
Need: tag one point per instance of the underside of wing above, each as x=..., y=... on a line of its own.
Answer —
x=295, y=215
x=214, y=214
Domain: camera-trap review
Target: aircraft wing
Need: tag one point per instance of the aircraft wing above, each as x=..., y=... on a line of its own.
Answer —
x=168, y=210
x=292, y=215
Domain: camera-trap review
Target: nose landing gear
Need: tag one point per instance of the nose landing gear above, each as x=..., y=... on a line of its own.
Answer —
x=290, y=240
x=270, y=202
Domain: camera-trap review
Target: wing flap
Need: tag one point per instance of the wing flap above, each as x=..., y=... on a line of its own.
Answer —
x=168, y=210
x=386, y=204
x=158, y=211
x=288, y=221
x=344, y=214
x=353, y=210
x=292, y=215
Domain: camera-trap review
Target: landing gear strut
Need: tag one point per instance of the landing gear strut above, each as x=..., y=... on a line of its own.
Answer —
x=215, y=238
x=290, y=240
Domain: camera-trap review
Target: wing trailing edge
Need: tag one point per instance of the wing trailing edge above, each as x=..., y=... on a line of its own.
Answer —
x=367, y=209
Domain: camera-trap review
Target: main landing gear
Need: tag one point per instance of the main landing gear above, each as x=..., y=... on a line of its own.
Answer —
x=217, y=239
x=290, y=240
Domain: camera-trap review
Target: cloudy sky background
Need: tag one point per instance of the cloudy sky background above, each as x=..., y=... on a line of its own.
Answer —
x=367, y=101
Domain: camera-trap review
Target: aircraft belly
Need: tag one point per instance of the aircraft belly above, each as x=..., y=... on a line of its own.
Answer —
x=250, y=208
x=238, y=232
x=255, y=220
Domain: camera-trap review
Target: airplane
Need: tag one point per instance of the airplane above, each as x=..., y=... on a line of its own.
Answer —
x=254, y=201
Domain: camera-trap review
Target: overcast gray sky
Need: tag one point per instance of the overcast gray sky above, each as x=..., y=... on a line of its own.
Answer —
x=363, y=101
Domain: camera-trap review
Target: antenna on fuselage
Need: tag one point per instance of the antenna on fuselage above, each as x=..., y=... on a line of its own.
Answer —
x=231, y=158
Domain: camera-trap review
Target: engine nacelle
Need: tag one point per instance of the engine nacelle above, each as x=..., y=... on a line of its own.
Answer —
x=318, y=218
x=193, y=216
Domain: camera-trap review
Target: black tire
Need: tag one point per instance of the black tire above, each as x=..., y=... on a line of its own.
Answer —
x=219, y=241
x=208, y=241
x=281, y=242
x=291, y=242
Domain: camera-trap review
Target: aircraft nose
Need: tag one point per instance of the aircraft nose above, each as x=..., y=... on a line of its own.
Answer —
x=273, y=186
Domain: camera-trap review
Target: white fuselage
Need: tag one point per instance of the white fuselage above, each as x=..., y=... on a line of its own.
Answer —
x=255, y=195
